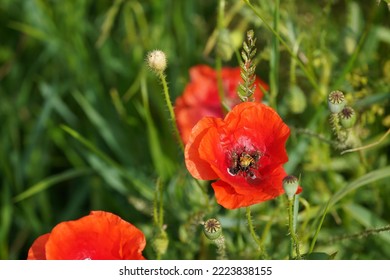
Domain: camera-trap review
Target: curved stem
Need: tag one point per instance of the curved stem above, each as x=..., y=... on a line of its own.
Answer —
x=221, y=247
x=313, y=242
x=367, y=146
x=170, y=109
x=263, y=253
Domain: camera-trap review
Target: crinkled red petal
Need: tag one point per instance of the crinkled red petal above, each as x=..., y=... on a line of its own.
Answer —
x=37, y=250
x=98, y=236
x=196, y=165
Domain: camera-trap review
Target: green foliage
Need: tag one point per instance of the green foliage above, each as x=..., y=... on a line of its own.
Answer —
x=85, y=127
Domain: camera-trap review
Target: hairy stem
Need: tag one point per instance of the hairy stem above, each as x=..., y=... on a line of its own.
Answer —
x=170, y=109
x=294, y=238
x=263, y=253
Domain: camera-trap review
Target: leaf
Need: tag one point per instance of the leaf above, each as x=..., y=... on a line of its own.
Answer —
x=51, y=181
x=108, y=22
x=29, y=30
x=367, y=218
x=163, y=165
x=134, y=176
x=101, y=123
x=319, y=256
x=362, y=181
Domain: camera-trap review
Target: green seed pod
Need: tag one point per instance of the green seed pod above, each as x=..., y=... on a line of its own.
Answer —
x=347, y=117
x=336, y=101
x=212, y=229
x=290, y=186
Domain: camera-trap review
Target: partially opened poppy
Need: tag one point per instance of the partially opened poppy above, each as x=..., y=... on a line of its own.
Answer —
x=244, y=152
x=201, y=99
x=97, y=236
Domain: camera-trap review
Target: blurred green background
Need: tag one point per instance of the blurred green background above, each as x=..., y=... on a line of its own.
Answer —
x=84, y=125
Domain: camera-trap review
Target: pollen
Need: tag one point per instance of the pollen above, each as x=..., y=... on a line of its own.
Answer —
x=244, y=163
x=246, y=160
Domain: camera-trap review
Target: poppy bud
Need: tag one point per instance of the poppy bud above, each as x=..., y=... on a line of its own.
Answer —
x=157, y=61
x=336, y=101
x=290, y=186
x=347, y=117
x=212, y=229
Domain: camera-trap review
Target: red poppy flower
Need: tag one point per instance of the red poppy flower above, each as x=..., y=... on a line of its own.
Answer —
x=245, y=151
x=98, y=236
x=200, y=98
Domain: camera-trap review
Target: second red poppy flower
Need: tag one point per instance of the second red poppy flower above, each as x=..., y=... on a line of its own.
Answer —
x=201, y=99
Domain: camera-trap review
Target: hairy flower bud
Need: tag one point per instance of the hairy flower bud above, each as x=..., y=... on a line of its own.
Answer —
x=157, y=61
x=336, y=101
x=290, y=186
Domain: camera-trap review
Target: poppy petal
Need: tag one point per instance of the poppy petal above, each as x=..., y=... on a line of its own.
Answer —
x=98, y=236
x=196, y=165
x=226, y=195
x=37, y=250
x=201, y=96
x=235, y=196
x=187, y=117
x=201, y=72
x=245, y=151
x=264, y=126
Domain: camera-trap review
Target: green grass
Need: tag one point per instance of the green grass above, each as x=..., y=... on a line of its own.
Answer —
x=84, y=125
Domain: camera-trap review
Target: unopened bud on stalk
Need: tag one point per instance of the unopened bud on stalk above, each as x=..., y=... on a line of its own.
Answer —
x=336, y=101
x=347, y=117
x=290, y=186
x=157, y=61
x=212, y=229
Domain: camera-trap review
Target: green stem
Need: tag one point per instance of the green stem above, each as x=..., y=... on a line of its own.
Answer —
x=218, y=60
x=160, y=204
x=349, y=65
x=274, y=61
x=158, y=212
x=263, y=253
x=221, y=94
x=313, y=242
x=170, y=109
x=362, y=234
x=221, y=247
x=294, y=238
